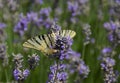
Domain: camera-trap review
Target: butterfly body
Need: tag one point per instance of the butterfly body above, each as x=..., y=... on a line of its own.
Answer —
x=46, y=42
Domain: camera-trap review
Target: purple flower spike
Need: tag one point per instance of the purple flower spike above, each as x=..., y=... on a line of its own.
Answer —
x=57, y=73
x=45, y=11
x=39, y=1
x=107, y=65
x=106, y=50
x=21, y=26
x=16, y=74
x=62, y=76
x=2, y=25
x=19, y=75
x=32, y=16
x=26, y=72
x=110, y=61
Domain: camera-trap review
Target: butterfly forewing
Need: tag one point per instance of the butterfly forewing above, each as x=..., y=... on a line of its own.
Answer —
x=41, y=42
x=33, y=43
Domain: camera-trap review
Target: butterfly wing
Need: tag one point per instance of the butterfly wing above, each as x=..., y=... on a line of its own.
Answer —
x=67, y=33
x=42, y=43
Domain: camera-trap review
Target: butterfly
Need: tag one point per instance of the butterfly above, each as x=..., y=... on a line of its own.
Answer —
x=45, y=42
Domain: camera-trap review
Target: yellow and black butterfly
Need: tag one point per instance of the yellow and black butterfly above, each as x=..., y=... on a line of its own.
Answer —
x=45, y=42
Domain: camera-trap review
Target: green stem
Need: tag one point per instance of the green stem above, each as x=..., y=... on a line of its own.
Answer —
x=0, y=71
x=6, y=75
x=20, y=81
x=83, y=52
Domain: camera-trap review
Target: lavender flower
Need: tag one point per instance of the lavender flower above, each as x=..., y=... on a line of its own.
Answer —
x=18, y=60
x=113, y=32
x=107, y=51
x=83, y=1
x=77, y=64
x=55, y=27
x=77, y=8
x=16, y=74
x=83, y=69
x=39, y=1
x=38, y=19
x=21, y=75
x=58, y=12
x=73, y=7
x=87, y=32
x=12, y=5
x=21, y=26
x=2, y=32
x=57, y=73
x=107, y=64
x=32, y=17
x=47, y=23
x=26, y=72
x=2, y=25
x=117, y=1
x=44, y=18
x=33, y=61
x=62, y=76
x=63, y=45
x=114, y=9
x=1, y=4
x=45, y=12
x=3, y=55
x=2, y=51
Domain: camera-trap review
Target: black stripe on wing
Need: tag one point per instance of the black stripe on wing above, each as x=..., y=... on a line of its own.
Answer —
x=34, y=39
x=51, y=39
x=44, y=38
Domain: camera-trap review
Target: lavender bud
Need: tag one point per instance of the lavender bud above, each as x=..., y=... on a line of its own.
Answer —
x=26, y=72
x=12, y=5
x=2, y=51
x=18, y=60
x=45, y=11
x=39, y=1
x=33, y=61
x=62, y=76
x=21, y=26
x=20, y=75
x=2, y=25
x=3, y=55
x=55, y=27
x=57, y=73
x=107, y=64
x=113, y=29
x=87, y=32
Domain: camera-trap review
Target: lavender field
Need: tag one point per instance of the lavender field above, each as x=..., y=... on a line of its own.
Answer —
x=73, y=41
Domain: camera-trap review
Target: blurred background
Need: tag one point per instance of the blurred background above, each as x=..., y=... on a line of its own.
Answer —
x=96, y=23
